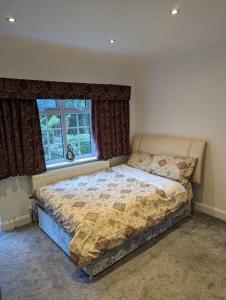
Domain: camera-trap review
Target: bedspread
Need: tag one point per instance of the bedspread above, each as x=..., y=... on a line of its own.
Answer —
x=104, y=209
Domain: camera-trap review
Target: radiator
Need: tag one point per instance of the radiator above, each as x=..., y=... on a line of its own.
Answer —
x=67, y=173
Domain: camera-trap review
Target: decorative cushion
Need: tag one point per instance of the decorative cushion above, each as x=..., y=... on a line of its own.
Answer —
x=178, y=168
x=140, y=160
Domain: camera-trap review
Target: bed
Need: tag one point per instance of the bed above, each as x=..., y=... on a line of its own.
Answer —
x=99, y=218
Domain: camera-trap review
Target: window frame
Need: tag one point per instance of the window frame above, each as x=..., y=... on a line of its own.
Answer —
x=62, y=110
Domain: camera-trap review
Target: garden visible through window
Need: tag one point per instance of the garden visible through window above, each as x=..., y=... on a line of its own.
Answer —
x=65, y=122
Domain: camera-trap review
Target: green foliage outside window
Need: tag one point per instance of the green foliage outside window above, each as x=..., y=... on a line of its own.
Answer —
x=54, y=126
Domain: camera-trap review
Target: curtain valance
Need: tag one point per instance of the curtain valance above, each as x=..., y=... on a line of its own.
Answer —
x=39, y=89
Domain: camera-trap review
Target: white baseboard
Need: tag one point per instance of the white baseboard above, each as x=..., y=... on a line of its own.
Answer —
x=210, y=210
x=13, y=223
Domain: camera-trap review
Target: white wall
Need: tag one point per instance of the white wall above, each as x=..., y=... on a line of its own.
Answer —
x=30, y=60
x=181, y=96
x=186, y=96
x=14, y=201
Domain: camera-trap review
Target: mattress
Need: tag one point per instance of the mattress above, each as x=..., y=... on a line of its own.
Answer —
x=103, y=210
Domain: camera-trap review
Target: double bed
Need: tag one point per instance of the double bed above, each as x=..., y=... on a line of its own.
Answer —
x=101, y=217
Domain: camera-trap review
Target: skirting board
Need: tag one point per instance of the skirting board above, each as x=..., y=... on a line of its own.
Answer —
x=13, y=223
x=210, y=210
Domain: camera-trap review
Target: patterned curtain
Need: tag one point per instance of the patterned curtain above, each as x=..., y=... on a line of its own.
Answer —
x=21, y=150
x=110, y=124
x=39, y=89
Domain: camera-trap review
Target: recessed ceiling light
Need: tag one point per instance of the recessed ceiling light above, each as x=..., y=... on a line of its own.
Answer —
x=112, y=42
x=11, y=19
x=174, y=12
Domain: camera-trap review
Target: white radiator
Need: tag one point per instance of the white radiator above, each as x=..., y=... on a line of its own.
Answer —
x=67, y=173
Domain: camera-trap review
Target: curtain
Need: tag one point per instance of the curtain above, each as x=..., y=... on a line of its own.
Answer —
x=110, y=125
x=21, y=146
x=21, y=150
x=40, y=89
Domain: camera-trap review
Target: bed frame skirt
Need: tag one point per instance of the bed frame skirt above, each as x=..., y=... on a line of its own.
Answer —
x=63, y=239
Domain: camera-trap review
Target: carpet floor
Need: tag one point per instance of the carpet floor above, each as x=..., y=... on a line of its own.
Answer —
x=187, y=262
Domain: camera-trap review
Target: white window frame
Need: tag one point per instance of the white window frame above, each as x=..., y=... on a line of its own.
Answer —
x=62, y=111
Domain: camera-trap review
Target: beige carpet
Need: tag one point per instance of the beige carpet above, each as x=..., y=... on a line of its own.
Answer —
x=188, y=262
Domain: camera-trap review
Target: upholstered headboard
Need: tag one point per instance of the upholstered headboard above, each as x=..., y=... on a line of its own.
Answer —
x=159, y=144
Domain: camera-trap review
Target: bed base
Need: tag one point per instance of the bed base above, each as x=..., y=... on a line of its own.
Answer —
x=63, y=239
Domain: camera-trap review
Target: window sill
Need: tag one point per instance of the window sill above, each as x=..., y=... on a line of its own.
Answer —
x=65, y=164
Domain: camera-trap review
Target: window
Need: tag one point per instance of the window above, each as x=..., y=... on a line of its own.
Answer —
x=66, y=122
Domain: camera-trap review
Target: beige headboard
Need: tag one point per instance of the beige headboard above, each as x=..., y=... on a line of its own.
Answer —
x=159, y=144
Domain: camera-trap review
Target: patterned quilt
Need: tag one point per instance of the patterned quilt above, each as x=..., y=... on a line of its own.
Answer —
x=104, y=209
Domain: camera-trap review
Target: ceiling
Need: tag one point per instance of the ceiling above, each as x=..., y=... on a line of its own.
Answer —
x=141, y=28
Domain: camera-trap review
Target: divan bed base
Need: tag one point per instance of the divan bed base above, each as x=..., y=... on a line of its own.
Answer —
x=63, y=239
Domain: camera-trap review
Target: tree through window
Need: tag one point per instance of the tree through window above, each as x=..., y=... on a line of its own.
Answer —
x=66, y=122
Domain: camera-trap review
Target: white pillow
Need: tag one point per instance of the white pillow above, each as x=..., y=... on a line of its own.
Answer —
x=171, y=187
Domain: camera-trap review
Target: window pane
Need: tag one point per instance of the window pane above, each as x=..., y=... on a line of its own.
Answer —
x=50, y=103
x=75, y=149
x=52, y=137
x=44, y=137
x=71, y=120
x=55, y=136
x=75, y=103
x=85, y=147
x=72, y=136
x=42, y=121
x=46, y=152
x=83, y=119
x=84, y=134
x=56, y=151
x=75, y=125
x=54, y=121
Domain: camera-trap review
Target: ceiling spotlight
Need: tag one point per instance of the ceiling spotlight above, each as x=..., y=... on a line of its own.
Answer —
x=11, y=19
x=112, y=42
x=174, y=12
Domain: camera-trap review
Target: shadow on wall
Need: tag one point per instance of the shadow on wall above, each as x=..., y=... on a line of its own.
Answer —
x=205, y=191
x=118, y=160
x=14, y=184
x=14, y=197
